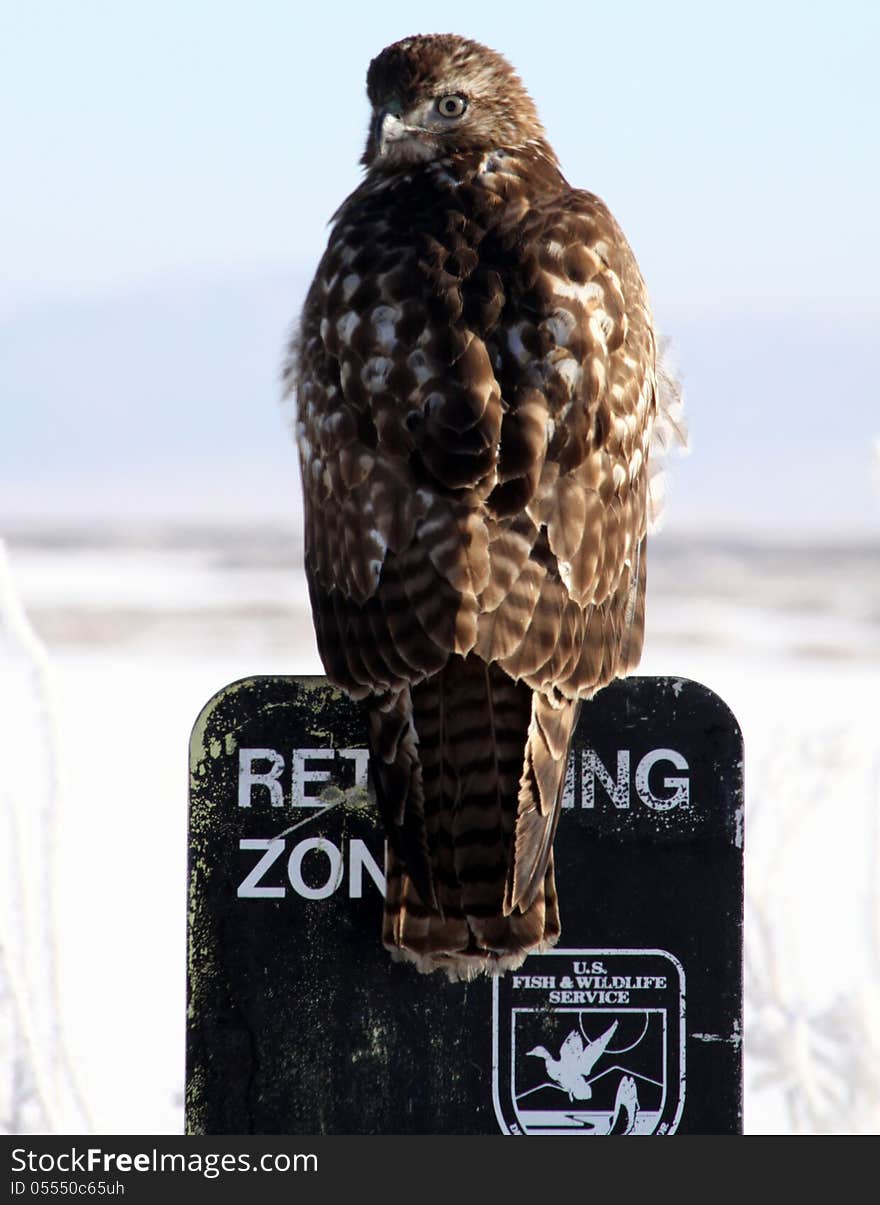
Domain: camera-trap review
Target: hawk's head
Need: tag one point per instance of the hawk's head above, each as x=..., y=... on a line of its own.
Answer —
x=439, y=94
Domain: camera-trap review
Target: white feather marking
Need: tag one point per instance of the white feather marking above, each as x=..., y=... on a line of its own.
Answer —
x=491, y=163
x=587, y=294
x=418, y=362
x=346, y=325
x=384, y=319
x=560, y=325
x=601, y=326
x=515, y=343
x=571, y=373
x=374, y=373
x=333, y=425
x=431, y=528
x=303, y=442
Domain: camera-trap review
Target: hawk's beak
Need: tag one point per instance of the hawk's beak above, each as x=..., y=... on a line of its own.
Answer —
x=387, y=128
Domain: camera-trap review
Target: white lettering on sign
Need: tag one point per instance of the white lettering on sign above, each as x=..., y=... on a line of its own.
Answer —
x=248, y=777
x=568, y=785
x=294, y=868
x=300, y=776
x=680, y=787
x=590, y=983
x=617, y=789
x=306, y=779
x=359, y=860
x=325, y=880
x=249, y=888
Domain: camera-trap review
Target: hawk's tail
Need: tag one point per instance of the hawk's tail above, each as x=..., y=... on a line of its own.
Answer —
x=469, y=768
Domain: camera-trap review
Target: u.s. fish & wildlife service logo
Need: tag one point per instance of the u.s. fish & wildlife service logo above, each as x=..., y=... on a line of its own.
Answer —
x=590, y=1042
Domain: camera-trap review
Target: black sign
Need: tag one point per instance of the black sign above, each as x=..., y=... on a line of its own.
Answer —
x=299, y=1022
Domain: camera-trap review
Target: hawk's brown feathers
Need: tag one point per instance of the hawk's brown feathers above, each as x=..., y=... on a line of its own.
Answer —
x=476, y=387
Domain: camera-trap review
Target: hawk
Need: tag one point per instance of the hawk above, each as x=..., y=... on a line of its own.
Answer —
x=477, y=384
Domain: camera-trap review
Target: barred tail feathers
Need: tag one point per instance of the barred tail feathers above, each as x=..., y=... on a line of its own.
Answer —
x=461, y=763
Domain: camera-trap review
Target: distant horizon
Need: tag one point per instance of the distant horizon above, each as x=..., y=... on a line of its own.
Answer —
x=146, y=527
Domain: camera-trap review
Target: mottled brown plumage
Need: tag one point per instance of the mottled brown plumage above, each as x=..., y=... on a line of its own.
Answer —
x=476, y=387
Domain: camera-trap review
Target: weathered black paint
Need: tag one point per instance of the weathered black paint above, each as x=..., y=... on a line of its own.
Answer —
x=299, y=1021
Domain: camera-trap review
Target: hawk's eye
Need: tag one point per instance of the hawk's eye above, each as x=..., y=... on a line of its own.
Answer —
x=451, y=106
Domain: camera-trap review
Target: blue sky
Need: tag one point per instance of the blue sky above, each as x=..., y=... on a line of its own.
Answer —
x=171, y=167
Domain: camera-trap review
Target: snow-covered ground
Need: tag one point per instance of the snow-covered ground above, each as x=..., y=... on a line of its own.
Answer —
x=141, y=631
